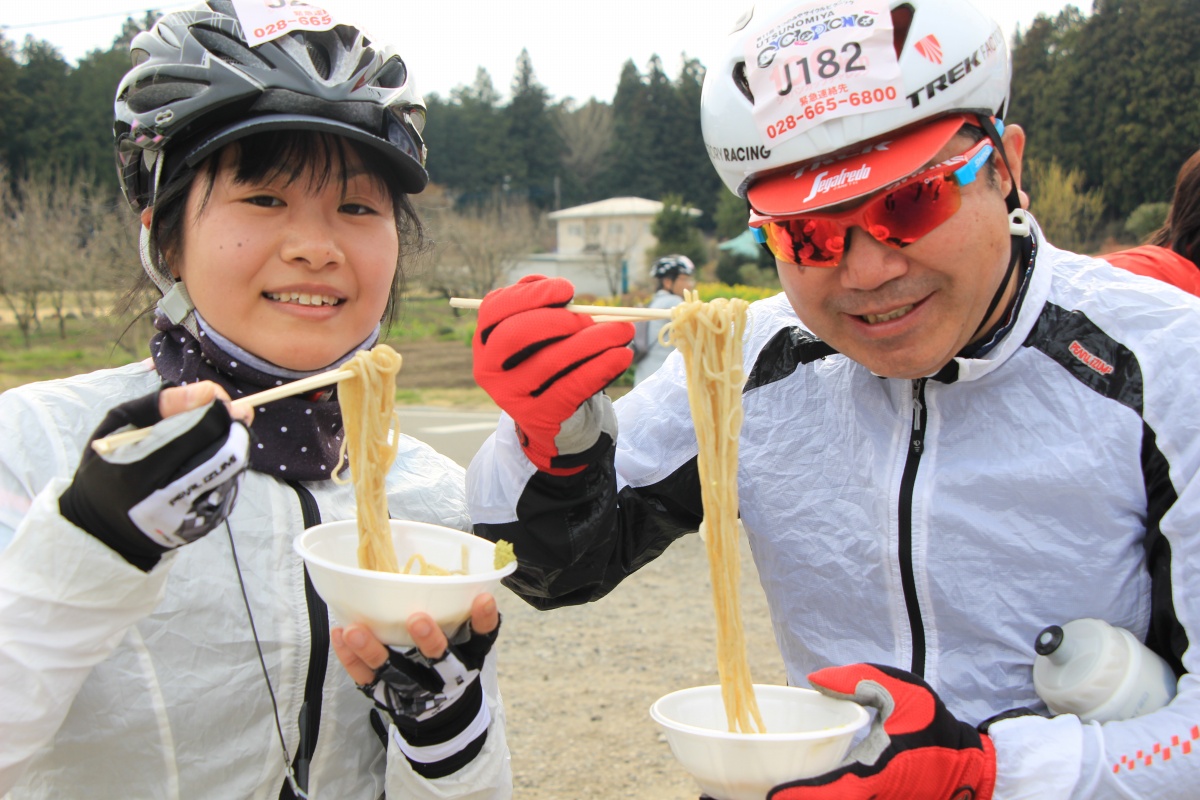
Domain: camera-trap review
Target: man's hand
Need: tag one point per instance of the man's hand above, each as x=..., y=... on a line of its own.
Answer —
x=432, y=692
x=916, y=749
x=541, y=363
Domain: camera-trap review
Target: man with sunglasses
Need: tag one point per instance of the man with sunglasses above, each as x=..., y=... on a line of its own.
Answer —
x=955, y=434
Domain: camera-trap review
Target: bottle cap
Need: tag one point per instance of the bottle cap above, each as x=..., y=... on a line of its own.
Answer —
x=1080, y=665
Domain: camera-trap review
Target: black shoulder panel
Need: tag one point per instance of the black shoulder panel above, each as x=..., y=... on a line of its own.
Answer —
x=1092, y=357
x=1110, y=369
x=788, y=349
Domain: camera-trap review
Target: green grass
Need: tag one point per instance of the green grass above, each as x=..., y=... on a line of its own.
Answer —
x=425, y=318
x=90, y=345
x=87, y=346
x=473, y=399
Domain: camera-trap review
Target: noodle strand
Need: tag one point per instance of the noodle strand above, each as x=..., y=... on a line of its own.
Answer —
x=372, y=436
x=709, y=337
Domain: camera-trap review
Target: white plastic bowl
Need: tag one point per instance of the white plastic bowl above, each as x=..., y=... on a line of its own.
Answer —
x=807, y=734
x=383, y=601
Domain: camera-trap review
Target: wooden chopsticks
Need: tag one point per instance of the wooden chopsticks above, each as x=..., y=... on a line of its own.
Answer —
x=600, y=313
x=109, y=443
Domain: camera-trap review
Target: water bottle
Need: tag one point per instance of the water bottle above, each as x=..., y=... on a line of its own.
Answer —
x=1099, y=673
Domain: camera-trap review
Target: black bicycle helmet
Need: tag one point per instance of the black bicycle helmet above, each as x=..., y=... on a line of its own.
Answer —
x=197, y=85
x=671, y=266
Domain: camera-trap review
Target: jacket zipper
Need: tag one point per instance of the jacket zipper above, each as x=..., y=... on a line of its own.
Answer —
x=318, y=625
x=916, y=445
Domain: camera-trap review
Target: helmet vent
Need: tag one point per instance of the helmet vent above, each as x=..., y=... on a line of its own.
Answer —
x=149, y=96
x=319, y=57
x=902, y=17
x=740, y=81
x=227, y=48
x=348, y=36
x=392, y=76
x=167, y=34
x=365, y=60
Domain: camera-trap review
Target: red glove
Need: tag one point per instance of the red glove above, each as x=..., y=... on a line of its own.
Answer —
x=540, y=362
x=916, y=748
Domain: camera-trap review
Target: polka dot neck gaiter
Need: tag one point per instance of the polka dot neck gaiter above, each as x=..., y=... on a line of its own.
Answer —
x=296, y=438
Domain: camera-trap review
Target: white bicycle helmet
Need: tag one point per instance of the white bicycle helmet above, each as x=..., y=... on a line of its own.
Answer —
x=196, y=85
x=952, y=59
x=672, y=265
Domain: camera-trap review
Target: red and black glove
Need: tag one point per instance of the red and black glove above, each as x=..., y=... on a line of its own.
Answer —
x=541, y=362
x=916, y=749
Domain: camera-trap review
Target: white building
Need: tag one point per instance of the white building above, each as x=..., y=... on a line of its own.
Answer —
x=603, y=247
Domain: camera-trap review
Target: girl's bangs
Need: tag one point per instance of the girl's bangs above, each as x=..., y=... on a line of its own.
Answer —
x=316, y=158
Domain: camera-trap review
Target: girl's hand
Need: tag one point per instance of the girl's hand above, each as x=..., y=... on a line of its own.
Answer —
x=178, y=399
x=168, y=489
x=362, y=654
x=432, y=691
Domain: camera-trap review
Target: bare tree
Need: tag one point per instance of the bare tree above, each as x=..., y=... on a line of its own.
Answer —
x=477, y=247
x=435, y=209
x=54, y=233
x=587, y=133
x=20, y=286
x=61, y=251
x=613, y=241
x=112, y=269
x=110, y=261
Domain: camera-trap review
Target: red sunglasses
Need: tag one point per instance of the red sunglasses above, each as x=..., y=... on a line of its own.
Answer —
x=896, y=217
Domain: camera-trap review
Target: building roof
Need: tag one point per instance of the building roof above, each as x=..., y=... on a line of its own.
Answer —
x=615, y=207
x=744, y=244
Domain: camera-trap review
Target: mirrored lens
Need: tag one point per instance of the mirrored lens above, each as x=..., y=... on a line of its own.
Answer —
x=911, y=211
x=896, y=219
x=807, y=242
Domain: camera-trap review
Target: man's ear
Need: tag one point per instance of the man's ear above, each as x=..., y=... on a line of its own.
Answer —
x=1014, y=149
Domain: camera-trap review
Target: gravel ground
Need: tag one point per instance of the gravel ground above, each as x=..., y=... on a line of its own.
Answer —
x=578, y=682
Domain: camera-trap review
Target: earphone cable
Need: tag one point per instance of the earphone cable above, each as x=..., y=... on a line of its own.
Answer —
x=287, y=761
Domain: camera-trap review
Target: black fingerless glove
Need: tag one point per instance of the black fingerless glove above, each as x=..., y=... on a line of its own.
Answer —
x=164, y=491
x=438, y=706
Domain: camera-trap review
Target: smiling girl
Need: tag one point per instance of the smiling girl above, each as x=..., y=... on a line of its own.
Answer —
x=141, y=656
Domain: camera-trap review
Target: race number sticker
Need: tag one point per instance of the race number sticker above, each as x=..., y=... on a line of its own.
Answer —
x=820, y=62
x=264, y=20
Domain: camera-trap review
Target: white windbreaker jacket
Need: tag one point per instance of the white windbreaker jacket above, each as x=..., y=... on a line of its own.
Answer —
x=116, y=683
x=935, y=525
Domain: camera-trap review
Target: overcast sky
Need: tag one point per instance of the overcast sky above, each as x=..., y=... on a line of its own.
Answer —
x=577, y=46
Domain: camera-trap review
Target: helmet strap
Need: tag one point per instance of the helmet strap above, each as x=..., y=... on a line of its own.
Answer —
x=1013, y=200
x=175, y=303
x=1018, y=220
x=1008, y=273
